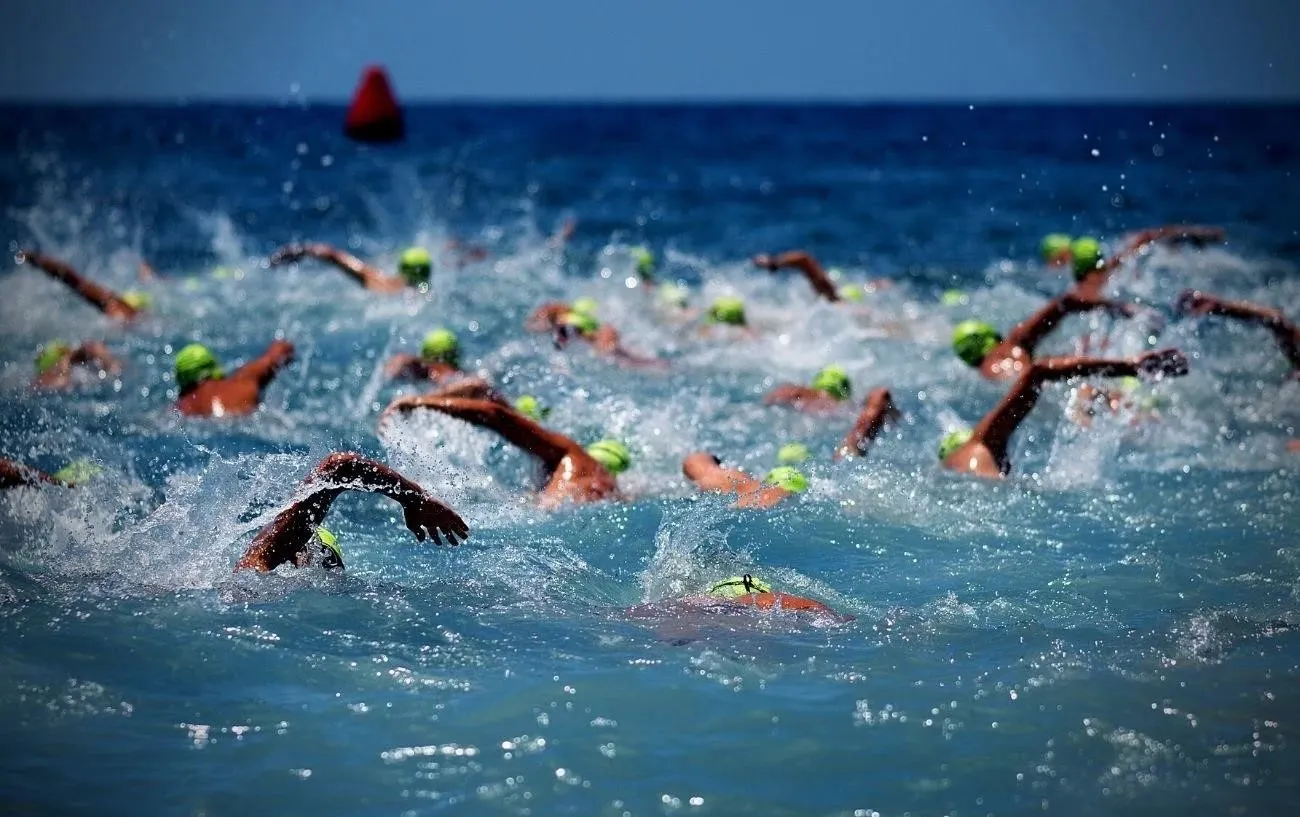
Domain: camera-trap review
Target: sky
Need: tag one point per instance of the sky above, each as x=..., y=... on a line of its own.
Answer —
x=867, y=50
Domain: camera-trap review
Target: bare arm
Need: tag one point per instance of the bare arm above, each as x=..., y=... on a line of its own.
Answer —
x=102, y=298
x=15, y=475
x=1031, y=331
x=877, y=410
x=805, y=263
x=548, y=446
x=264, y=369
x=357, y=269
x=286, y=536
x=1195, y=234
x=1192, y=302
x=995, y=430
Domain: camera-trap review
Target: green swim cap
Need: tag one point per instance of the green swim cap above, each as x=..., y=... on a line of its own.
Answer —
x=952, y=441
x=329, y=541
x=792, y=453
x=645, y=263
x=531, y=407
x=415, y=266
x=953, y=297
x=581, y=321
x=584, y=306
x=612, y=454
x=137, y=299
x=852, y=292
x=441, y=346
x=738, y=586
x=49, y=355
x=787, y=477
x=1087, y=256
x=972, y=340
x=78, y=472
x=729, y=310
x=833, y=381
x=194, y=364
x=673, y=295
x=1053, y=246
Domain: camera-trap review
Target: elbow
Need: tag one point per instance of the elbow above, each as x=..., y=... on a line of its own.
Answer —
x=338, y=464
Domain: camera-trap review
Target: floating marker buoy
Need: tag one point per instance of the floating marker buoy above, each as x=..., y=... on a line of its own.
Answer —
x=374, y=115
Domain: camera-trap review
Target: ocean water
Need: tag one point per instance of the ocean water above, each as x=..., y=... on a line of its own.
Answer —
x=1111, y=630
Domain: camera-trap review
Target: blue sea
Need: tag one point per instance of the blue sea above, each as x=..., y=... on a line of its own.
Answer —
x=1113, y=630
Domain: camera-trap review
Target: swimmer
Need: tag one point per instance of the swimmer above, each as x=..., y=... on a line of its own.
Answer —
x=708, y=474
x=1092, y=272
x=55, y=359
x=829, y=391
x=295, y=536
x=1287, y=335
x=573, y=473
x=603, y=339
x=817, y=277
x=125, y=307
x=16, y=475
x=728, y=310
x=414, y=267
x=983, y=450
x=877, y=410
x=205, y=391
x=736, y=594
x=997, y=358
x=644, y=261
x=549, y=316
x=439, y=359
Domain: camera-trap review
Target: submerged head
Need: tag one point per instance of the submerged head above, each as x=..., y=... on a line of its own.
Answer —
x=441, y=346
x=738, y=586
x=611, y=454
x=787, y=478
x=972, y=340
x=416, y=266
x=330, y=550
x=532, y=408
x=953, y=297
x=1086, y=254
x=728, y=310
x=194, y=364
x=792, y=454
x=672, y=295
x=137, y=299
x=833, y=381
x=1055, y=248
x=952, y=441
x=49, y=355
x=645, y=263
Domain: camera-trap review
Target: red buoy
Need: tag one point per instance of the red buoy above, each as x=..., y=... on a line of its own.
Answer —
x=374, y=115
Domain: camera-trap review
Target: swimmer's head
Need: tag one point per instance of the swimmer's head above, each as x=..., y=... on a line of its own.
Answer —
x=672, y=295
x=416, y=266
x=580, y=322
x=833, y=381
x=1055, y=248
x=972, y=341
x=584, y=306
x=738, y=586
x=852, y=293
x=787, y=478
x=49, y=355
x=953, y=297
x=792, y=454
x=330, y=551
x=1086, y=253
x=441, y=346
x=532, y=408
x=728, y=310
x=194, y=364
x=78, y=472
x=612, y=454
x=952, y=441
x=645, y=263
x=137, y=299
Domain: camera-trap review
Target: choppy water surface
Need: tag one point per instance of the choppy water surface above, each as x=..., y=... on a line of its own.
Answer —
x=1113, y=630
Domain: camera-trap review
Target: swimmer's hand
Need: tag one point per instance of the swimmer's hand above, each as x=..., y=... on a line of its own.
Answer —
x=764, y=261
x=1165, y=362
x=428, y=518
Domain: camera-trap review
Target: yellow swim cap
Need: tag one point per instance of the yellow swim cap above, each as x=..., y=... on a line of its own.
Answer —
x=738, y=586
x=952, y=441
x=49, y=355
x=441, y=346
x=329, y=543
x=973, y=340
x=416, y=266
x=729, y=310
x=612, y=454
x=787, y=478
x=194, y=364
x=792, y=453
x=833, y=381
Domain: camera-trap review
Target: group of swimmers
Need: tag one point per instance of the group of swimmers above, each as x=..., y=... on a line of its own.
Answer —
x=576, y=473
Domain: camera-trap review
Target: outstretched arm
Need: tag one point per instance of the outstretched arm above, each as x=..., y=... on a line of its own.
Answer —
x=1031, y=331
x=995, y=430
x=284, y=539
x=358, y=270
x=1195, y=234
x=805, y=263
x=1192, y=302
x=548, y=446
x=102, y=298
x=264, y=369
x=877, y=410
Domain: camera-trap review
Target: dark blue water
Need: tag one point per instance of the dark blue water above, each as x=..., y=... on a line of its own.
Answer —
x=1113, y=630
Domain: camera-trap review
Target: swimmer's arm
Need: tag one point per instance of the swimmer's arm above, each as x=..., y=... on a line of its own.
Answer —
x=549, y=446
x=94, y=353
x=147, y=273
x=15, y=475
x=546, y=317
x=805, y=263
x=790, y=394
x=358, y=270
x=403, y=365
x=1031, y=331
x=877, y=410
x=102, y=298
x=264, y=369
x=1193, y=302
x=1195, y=234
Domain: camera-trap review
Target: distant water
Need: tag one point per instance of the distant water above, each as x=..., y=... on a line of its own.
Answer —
x=1111, y=631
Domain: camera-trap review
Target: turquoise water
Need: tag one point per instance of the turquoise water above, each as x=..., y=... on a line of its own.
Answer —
x=1110, y=631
